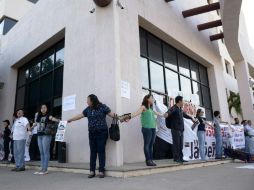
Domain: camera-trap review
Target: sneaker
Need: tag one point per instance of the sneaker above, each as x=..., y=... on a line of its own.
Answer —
x=184, y=160
x=37, y=173
x=178, y=161
x=21, y=169
x=91, y=175
x=149, y=163
x=14, y=169
x=45, y=173
x=154, y=164
x=101, y=175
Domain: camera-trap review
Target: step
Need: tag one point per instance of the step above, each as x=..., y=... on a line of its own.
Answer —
x=127, y=170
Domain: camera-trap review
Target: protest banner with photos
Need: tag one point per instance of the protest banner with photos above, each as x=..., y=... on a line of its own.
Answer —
x=61, y=131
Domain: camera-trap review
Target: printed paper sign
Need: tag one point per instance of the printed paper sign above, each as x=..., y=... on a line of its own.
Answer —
x=69, y=103
x=125, y=90
x=61, y=131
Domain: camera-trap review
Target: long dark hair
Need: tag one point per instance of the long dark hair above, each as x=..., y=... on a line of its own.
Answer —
x=145, y=101
x=40, y=114
x=95, y=101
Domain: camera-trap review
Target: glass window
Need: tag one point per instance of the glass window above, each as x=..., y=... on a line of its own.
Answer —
x=144, y=72
x=34, y=71
x=206, y=97
x=143, y=44
x=47, y=61
x=183, y=63
x=186, y=88
x=1, y=27
x=154, y=48
x=20, y=97
x=34, y=93
x=170, y=57
x=58, y=82
x=172, y=83
x=194, y=70
x=59, y=54
x=197, y=90
x=157, y=78
x=6, y=25
x=23, y=76
x=203, y=75
x=46, y=88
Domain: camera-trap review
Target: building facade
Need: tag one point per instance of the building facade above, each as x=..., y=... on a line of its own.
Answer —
x=61, y=48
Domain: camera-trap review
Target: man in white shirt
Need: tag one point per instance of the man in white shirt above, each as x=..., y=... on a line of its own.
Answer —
x=20, y=127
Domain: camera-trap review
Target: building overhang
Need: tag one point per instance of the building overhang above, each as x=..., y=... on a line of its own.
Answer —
x=230, y=10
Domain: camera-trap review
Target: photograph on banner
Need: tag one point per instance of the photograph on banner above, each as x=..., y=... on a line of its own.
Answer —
x=61, y=129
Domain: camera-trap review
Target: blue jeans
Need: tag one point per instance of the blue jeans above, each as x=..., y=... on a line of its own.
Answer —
x=149, y=135
x=201, y=143
x=247, y=142
x=97, y=142
x=19, y=153
x=44, y=147
x=218, y=145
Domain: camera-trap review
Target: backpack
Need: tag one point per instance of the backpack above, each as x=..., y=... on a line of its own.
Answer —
x=169, y=120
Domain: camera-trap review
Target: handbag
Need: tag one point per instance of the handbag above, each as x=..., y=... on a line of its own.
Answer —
x=50, y=128
x=114, y=131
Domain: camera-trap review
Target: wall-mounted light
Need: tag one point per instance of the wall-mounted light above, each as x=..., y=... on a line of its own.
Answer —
x=119, y=4
x=92, y=10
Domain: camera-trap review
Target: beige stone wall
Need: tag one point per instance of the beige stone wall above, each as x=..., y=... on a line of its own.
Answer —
x=101, y=49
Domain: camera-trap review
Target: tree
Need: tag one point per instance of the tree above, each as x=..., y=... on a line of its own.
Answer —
x=234, y=102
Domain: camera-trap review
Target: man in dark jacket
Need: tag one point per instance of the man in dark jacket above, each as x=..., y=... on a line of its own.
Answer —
x=175, y=121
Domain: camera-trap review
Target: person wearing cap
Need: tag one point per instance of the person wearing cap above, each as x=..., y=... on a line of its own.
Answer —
x=7, y=139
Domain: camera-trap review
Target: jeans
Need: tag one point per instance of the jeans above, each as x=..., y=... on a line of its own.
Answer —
x=44, y=147
x=149, y=135
x=218, y=145
x=19, y=153
x=97, y=141
x=177, y=137
x=251, y=145
x=247, y=142
x=201, y=143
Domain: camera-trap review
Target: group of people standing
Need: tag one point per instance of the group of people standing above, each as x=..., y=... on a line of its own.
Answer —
x=96, y=113
x=18, y=135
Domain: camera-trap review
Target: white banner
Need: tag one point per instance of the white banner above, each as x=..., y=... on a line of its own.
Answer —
x=61, y=131
x=233, y=136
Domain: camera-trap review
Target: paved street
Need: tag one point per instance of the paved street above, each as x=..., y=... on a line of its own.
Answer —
x=222, y=177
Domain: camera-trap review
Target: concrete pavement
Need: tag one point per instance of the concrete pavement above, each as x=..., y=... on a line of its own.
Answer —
x=221, y=177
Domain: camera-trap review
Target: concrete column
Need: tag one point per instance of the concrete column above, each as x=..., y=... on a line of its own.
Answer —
x=218, y=91
x=242, y=75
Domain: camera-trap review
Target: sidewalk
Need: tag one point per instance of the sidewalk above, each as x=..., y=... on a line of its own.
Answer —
x=127, y=170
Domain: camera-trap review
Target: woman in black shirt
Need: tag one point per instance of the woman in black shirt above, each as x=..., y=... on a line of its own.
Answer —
x=96, y=113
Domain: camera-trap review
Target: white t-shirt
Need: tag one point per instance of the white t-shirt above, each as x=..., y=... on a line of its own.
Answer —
x=250, y=130
x=20, y=128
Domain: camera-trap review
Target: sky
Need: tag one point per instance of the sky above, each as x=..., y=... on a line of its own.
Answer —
x=247, y=8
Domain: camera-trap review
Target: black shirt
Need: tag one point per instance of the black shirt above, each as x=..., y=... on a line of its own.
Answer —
x=201, y=126
x=7, y=133
x=176, y=116
x=97, y=117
